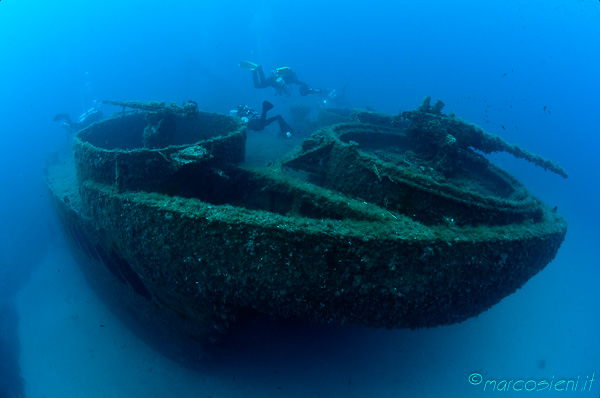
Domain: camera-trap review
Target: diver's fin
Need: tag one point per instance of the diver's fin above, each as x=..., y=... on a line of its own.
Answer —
x=267, y=106
x=62, y=116
x=248, y=65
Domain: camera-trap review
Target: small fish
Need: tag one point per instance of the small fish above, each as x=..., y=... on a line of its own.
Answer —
x=545, y=108
x=503, y=128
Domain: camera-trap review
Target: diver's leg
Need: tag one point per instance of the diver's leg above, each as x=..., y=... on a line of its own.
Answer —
x=283, y=126
x=266, y=107
x=258, y=75
x=263, y=115
x=255, y=79
x=271, y=120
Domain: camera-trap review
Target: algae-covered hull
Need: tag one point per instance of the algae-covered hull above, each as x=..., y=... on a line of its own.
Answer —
x=195, y=239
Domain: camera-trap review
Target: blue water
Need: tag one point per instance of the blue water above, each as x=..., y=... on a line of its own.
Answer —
x=525, y=70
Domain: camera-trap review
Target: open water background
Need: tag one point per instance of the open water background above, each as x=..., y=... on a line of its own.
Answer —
x=525, y=70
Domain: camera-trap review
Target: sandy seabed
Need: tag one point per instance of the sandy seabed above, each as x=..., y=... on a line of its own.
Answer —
x=72, y=346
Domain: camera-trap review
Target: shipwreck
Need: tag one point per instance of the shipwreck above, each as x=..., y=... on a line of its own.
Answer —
x=379, y=220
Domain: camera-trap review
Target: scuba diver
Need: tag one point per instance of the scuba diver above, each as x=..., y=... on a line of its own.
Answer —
x=280, y=79
x=333, y=99
x=258, y=122
x=92, y=115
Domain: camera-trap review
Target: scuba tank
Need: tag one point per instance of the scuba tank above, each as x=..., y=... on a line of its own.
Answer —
x=284, y=71
x=87, y=114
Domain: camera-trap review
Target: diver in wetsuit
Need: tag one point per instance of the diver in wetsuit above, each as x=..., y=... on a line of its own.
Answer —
x=84, y=120
x=280, y=79
x=258, y=122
